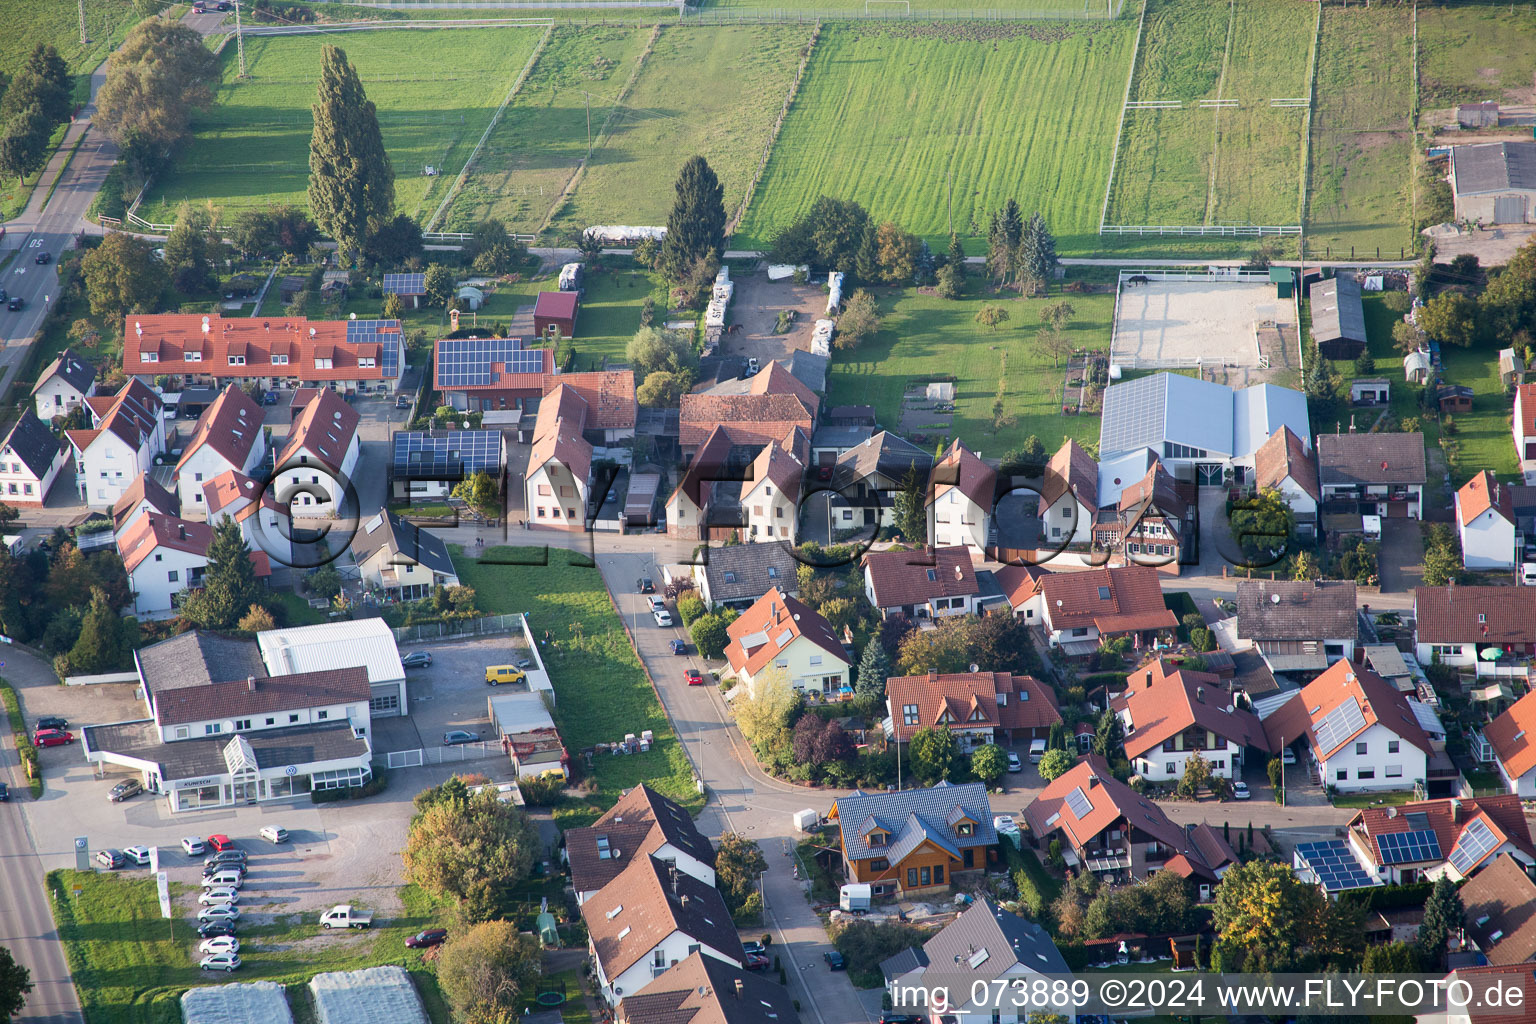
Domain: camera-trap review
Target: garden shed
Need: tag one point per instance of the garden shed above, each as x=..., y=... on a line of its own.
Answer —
x=555, y=311
x=941, y=391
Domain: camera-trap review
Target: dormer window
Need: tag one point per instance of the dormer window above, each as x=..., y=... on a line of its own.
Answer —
x=965, y=828
x=237, y=360
x=278, y=360
x=946, y=718
x=194, y=357
x=150, y=357
x=876, y=838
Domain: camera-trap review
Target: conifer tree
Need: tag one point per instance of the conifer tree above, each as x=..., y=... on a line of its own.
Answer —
x=351, y=181
x=697, y=221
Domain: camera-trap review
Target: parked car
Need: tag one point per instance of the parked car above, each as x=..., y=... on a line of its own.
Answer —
x=269, y=398
x=678, y=646
x=5, y=792
x=110, y=858
x=52, y=738
x=125, y=789
x=138, y=854
x=193, y=846
x=662, y=616
x=835, y=960
x=52, y=722
x=1287, y=756
x=274, y=834
x=754, y=947
x=753, y=367
x=693, y=677
x=1014, y=763
x=644, y=585
x=428, y=938
x=220, y=842
x=457, y=736
x=220, y=962
x=227, y=876
x=213, y=929
x=219, y=897
x=345, y=915
x=221, y=912
x=219, y=944
x=42, y=258
x=1240, y=790
x=236, y=857
x=1036, y=751
x=417, y=659
x=656, y=604
x=16, y=303
x=757, y=962
x=495, y=675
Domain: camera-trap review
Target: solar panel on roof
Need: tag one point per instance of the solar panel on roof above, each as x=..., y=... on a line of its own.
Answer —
x=1408, y=847
x=466, y=362
x=1335, y=867
x=1339, y=725
x=1078, y=803
x=448, y=453
x=405, y=284
x=1475, y=842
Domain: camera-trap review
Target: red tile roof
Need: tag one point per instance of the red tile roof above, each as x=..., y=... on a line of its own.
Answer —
x=633, y=914
x=1379, y=701
x=1500, y=916
x=267, y=694
x=1527, y=400
x=1509, y=981
x=1450, y=615
x=324, y=430
x=132, y=415
x=1513, y=735
x=960, y=467
x=772, y=624
x=901, y=578
x=1163, y=701
x=1070, y=469
x=230, y=426
x=779, y=468
x=1448, y=819
x=1020, y=582
x=775, y=379
x=555, y=305
x=230, y=488
x=172, y=335
x=557, y=434
x=1110, y=801
x=144, y=488
x=151, y=531
x=1120, y=600
x=752, y=418
x=609, y=394
x=639, y=824
x=971, y=700
x=1285, y=455
x=1482, y=493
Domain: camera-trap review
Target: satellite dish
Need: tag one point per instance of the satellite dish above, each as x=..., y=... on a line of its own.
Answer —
x=1274, y=598
x=975, y=667
x=228, y=725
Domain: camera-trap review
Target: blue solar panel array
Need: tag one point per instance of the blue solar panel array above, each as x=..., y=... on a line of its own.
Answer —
x=466, y=362
x=1335, y=867
x=405, y=284
x=446, y=453
x=1477, y=839
x=1408, y=847
x=385, y=334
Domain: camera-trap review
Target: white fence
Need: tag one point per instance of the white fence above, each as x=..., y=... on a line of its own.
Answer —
x=1217, y=273
x=484, y=626
x=478, y=751
x=1220, y=230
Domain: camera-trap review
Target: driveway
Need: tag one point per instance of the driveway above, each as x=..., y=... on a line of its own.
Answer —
x=756, y=306
x=1401, y=562
x=451, y=692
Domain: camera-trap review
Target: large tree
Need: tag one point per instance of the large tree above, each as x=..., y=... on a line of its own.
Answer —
x=657, y=350
x=1264, y=915
x=1035, y=258
x=1262, y=526
x=15, y=984
x=696, y=225
x=229, y=585
x=155, y=81
x=909, y=506
x=1449, y=318
x=24, y=144
x=935, y=754
x=272, y=231
x=351, y=181
x=193, y=249
x=122, y=276
x=1443, y=913
x=874, y=669
x=738, y=863
x=488, y=965
x=43, y=82
x=1005, y=232
x=859, y=319
x=98, y=647
x=475, y=849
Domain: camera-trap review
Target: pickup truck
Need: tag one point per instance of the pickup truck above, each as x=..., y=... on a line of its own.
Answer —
x=346, y=916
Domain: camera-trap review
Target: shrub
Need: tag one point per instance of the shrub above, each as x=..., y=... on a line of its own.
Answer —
x=542, y=791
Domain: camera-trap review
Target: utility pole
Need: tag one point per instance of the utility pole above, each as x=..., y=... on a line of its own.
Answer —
x=83, y=39
x=589, y=122
x=239, y=40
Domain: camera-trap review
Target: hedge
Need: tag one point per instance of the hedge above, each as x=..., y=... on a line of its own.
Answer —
x=1393, y=897
x=23, y=739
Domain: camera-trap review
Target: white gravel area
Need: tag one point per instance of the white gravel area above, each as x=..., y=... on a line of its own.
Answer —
x=1176, y=322
x=261, y=1002
x=378, y=995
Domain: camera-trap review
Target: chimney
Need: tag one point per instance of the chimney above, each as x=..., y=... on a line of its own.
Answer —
x=1200, y=694
x=740, y=989
x=181, y=530
x=250, y=683
x=1351, y=423
x=1149, y=679
x=685, y=902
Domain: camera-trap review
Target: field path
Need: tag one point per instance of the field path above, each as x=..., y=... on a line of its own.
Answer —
x=1226, y=61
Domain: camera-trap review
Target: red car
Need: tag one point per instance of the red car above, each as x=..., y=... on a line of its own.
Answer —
x=52, y=738
x=693, y=677
x=220, y=843
x=427, y=939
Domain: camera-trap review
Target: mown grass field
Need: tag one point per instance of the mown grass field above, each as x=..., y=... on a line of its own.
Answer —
x=712, y=92
x=1045, y=8
x=1362, y=137
x=1469, y=52
x=25, y=23
x=542, y=136
x=896, y=117
x=252, y=147
x=601, y=690
x=923, y=338
x=1238, y=165
x=131, y=966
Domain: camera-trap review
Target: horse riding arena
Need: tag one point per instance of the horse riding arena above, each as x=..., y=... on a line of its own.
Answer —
x=1176, y=320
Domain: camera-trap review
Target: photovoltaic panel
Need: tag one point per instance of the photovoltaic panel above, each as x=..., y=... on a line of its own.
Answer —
x=405, y=284
x=466, y=362
x=1335, y=867
x=1408, y=847
x=1078, y=803
x=1339, y=725
x=1475, y=842
x=385, y=334
x=445, y=453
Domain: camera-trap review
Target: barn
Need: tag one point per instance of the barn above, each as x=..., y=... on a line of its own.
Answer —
x=555, y=311
x=1338, y=318
x=1494, y=182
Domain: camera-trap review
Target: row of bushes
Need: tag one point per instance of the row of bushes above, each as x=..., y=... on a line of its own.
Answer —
x=24, y=746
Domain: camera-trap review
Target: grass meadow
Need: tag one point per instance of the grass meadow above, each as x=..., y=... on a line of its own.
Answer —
x=714, y=92
x=252, y=147
x=1362, y=131
x=25, y=23
x=923, y=337
x=1239, y=165
x=916, y=121
x=1469, y=52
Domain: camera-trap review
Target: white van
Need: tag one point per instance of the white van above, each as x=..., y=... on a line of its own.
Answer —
x=1528, y=574
x=1036, y=751
x=223, y=879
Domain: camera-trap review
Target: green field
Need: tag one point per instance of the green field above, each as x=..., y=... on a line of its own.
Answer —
x=898, y=118
x=130, y=965
x=1229, y=165
x=1362, y=132
x=1473, y=51
x=25, y=23
x=924, y=337
x=252, y=147
x=1046, y=9
x=713, y=92
x=541, y=137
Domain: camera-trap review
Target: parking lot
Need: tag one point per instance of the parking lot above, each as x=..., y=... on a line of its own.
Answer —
x=450, y=693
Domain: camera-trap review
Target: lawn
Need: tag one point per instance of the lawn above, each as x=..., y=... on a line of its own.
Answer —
x=1358, y=801
x=296, y=610
x=25, y=23
x=1362, y=138
x=130, y=965
x=542, y=136
x=252, y=147
x=1047, y=9
x=1233, y=165
x=712, y=92
x=1484, y=432
x=1473, y=52
x=601, y=690
x=936, y=126
x=924, y=338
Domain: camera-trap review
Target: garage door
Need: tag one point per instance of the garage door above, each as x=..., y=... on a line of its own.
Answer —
x=1509, y=209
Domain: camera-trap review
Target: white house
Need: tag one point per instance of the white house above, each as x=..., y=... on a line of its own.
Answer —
x=921, y=584
x=228, y=437
x=31, y=457
x=961, y=492
x=704, y=990
x=1300, y=626
x=1078, y=610
x=770, y=496
x=1169, y=715
x=364, y=643
x=651, y=917
x=1513, y=738
x=63, y=385
x=559, y=464
x=264, y=522
x=402, y=560
x=164, y=555
x=1382, y=473
x=127, y=432
x=142, y=496
x=1425, y=839
x=1362, y=733
x=1069, y=499
x=1485, y=522
x=642, y=823
x=1457, y=625
x=868, y=476
x=1524, y=427
x=782, y=635
x=1286, y=464
x=314, y=469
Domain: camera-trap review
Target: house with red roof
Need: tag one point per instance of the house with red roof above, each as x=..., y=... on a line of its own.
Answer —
x=1512, y=739
x=264, y=522
x=1462, y=626
x=921, y=584
x=1069, y=496
x=559, y=464
x=738, y=480
x=228, y=438
x=1485, y=523
x=1171, y=714
x=127, y=431
x=766, y=407
x=1287, y=464
x=780, y=636
x=1524, y=426
x=1362, y=734
x=961, y=497
x=1458, y=837
x=1079, y=609
x=770, y=498
x=142, y=496
x=314, y=469
x=165, y=555
x=554, y=314
x=977, y=708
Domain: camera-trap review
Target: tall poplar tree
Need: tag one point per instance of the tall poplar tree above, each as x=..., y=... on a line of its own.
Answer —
x=697, y=221
x=351, y=182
